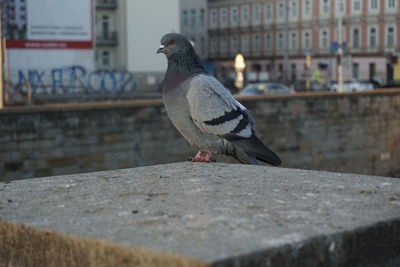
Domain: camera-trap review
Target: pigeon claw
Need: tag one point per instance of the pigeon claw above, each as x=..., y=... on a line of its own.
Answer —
x=199, y=158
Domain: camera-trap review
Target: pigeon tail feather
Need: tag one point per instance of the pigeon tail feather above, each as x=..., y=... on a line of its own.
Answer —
x=239, y=154
x=256, y=147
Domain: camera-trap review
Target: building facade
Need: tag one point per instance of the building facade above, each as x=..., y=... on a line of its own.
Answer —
x=257, y=29
x=13, y=13
x=110, y=39
x=194, y=24
x=128, y=33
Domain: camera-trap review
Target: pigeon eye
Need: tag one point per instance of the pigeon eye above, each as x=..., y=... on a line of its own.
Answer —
x=172, y=42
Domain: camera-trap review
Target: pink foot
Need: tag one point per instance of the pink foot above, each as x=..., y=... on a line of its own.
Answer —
x=199, y=158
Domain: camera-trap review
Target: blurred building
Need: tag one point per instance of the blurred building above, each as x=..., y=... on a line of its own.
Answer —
x=194, y=24
x=14, y=17
x=128, y=33
x=370, y=33
x=110, y=21
x=36, y=42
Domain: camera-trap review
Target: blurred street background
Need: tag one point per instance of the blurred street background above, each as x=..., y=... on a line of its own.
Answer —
x=104, y=49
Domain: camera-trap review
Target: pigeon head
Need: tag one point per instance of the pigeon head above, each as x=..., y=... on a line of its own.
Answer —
x=174, y=43
x=180, y=55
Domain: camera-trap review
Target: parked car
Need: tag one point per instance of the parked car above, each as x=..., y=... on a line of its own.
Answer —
x=392, y=84
x=265, y=88
x=374, y=83
x=349, y=86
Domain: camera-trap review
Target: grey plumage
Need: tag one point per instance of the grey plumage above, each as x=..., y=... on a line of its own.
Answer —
x=204, y=111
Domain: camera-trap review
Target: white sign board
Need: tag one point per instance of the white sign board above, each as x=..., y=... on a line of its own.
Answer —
x=38, y=24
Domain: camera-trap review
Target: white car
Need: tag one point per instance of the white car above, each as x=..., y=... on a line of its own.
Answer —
x=266, y=88
x=352, y=86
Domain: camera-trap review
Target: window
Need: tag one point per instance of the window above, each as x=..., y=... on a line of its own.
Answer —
x=372, y=71
x=213, y=45
x=281, y=43
x=281, y=11
x=224, y=45
x=355, y=71
x=340, y=6
x=256, y=13
x=105, y=27
x=245, y=15
x=294, y=9
x=223, y=17
x=356, y=6
x=193, y=18
x=185, y=19
x=268, y=11
x=373, y=5
x=256, y=43
x=324, y=41
x=324, y=7
x=307, y=8
x=390, y=37
x=234, y=44
x=293, y=41
x=293, y=72
x=356, y=38
x=213, y=18
x=391, y=4
x=280, y=68
x=268, y=42
x=373, y=41
x=307, y=40
x=234, y=16
x=202, y=17
x=106, y=58
x=245, y=43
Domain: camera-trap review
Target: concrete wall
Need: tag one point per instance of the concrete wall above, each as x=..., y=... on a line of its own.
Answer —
x=352, y=132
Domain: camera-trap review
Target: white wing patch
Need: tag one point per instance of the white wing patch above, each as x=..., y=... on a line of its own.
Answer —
x=246, y=132
x=225, y=127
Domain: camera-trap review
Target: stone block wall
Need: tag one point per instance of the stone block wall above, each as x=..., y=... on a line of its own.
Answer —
x=41, y=142
x=352, y=132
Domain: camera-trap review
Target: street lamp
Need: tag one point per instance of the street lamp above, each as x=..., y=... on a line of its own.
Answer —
x=339, y=58
x=239, y=68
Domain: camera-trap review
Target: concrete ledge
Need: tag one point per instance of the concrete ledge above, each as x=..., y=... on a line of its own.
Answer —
x=221, y=214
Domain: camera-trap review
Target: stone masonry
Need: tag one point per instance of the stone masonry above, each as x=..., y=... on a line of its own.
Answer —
x=350, y=132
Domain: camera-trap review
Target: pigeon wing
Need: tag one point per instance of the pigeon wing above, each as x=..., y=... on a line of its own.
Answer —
x=216, y=112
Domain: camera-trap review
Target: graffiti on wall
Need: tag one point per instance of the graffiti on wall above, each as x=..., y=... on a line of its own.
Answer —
x=71, y=79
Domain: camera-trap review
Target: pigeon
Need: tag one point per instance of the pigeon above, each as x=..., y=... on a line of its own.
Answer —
x=204, y=111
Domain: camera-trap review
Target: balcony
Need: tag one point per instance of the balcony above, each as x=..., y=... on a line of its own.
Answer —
x=107, y=39
x=106, y=4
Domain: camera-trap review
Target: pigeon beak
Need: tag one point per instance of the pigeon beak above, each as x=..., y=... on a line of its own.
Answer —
x=161, y=49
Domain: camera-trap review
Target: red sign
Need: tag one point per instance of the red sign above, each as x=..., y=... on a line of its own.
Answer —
x=34, y=44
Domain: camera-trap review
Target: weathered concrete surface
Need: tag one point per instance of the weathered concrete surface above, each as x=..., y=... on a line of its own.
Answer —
x=225, y=214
